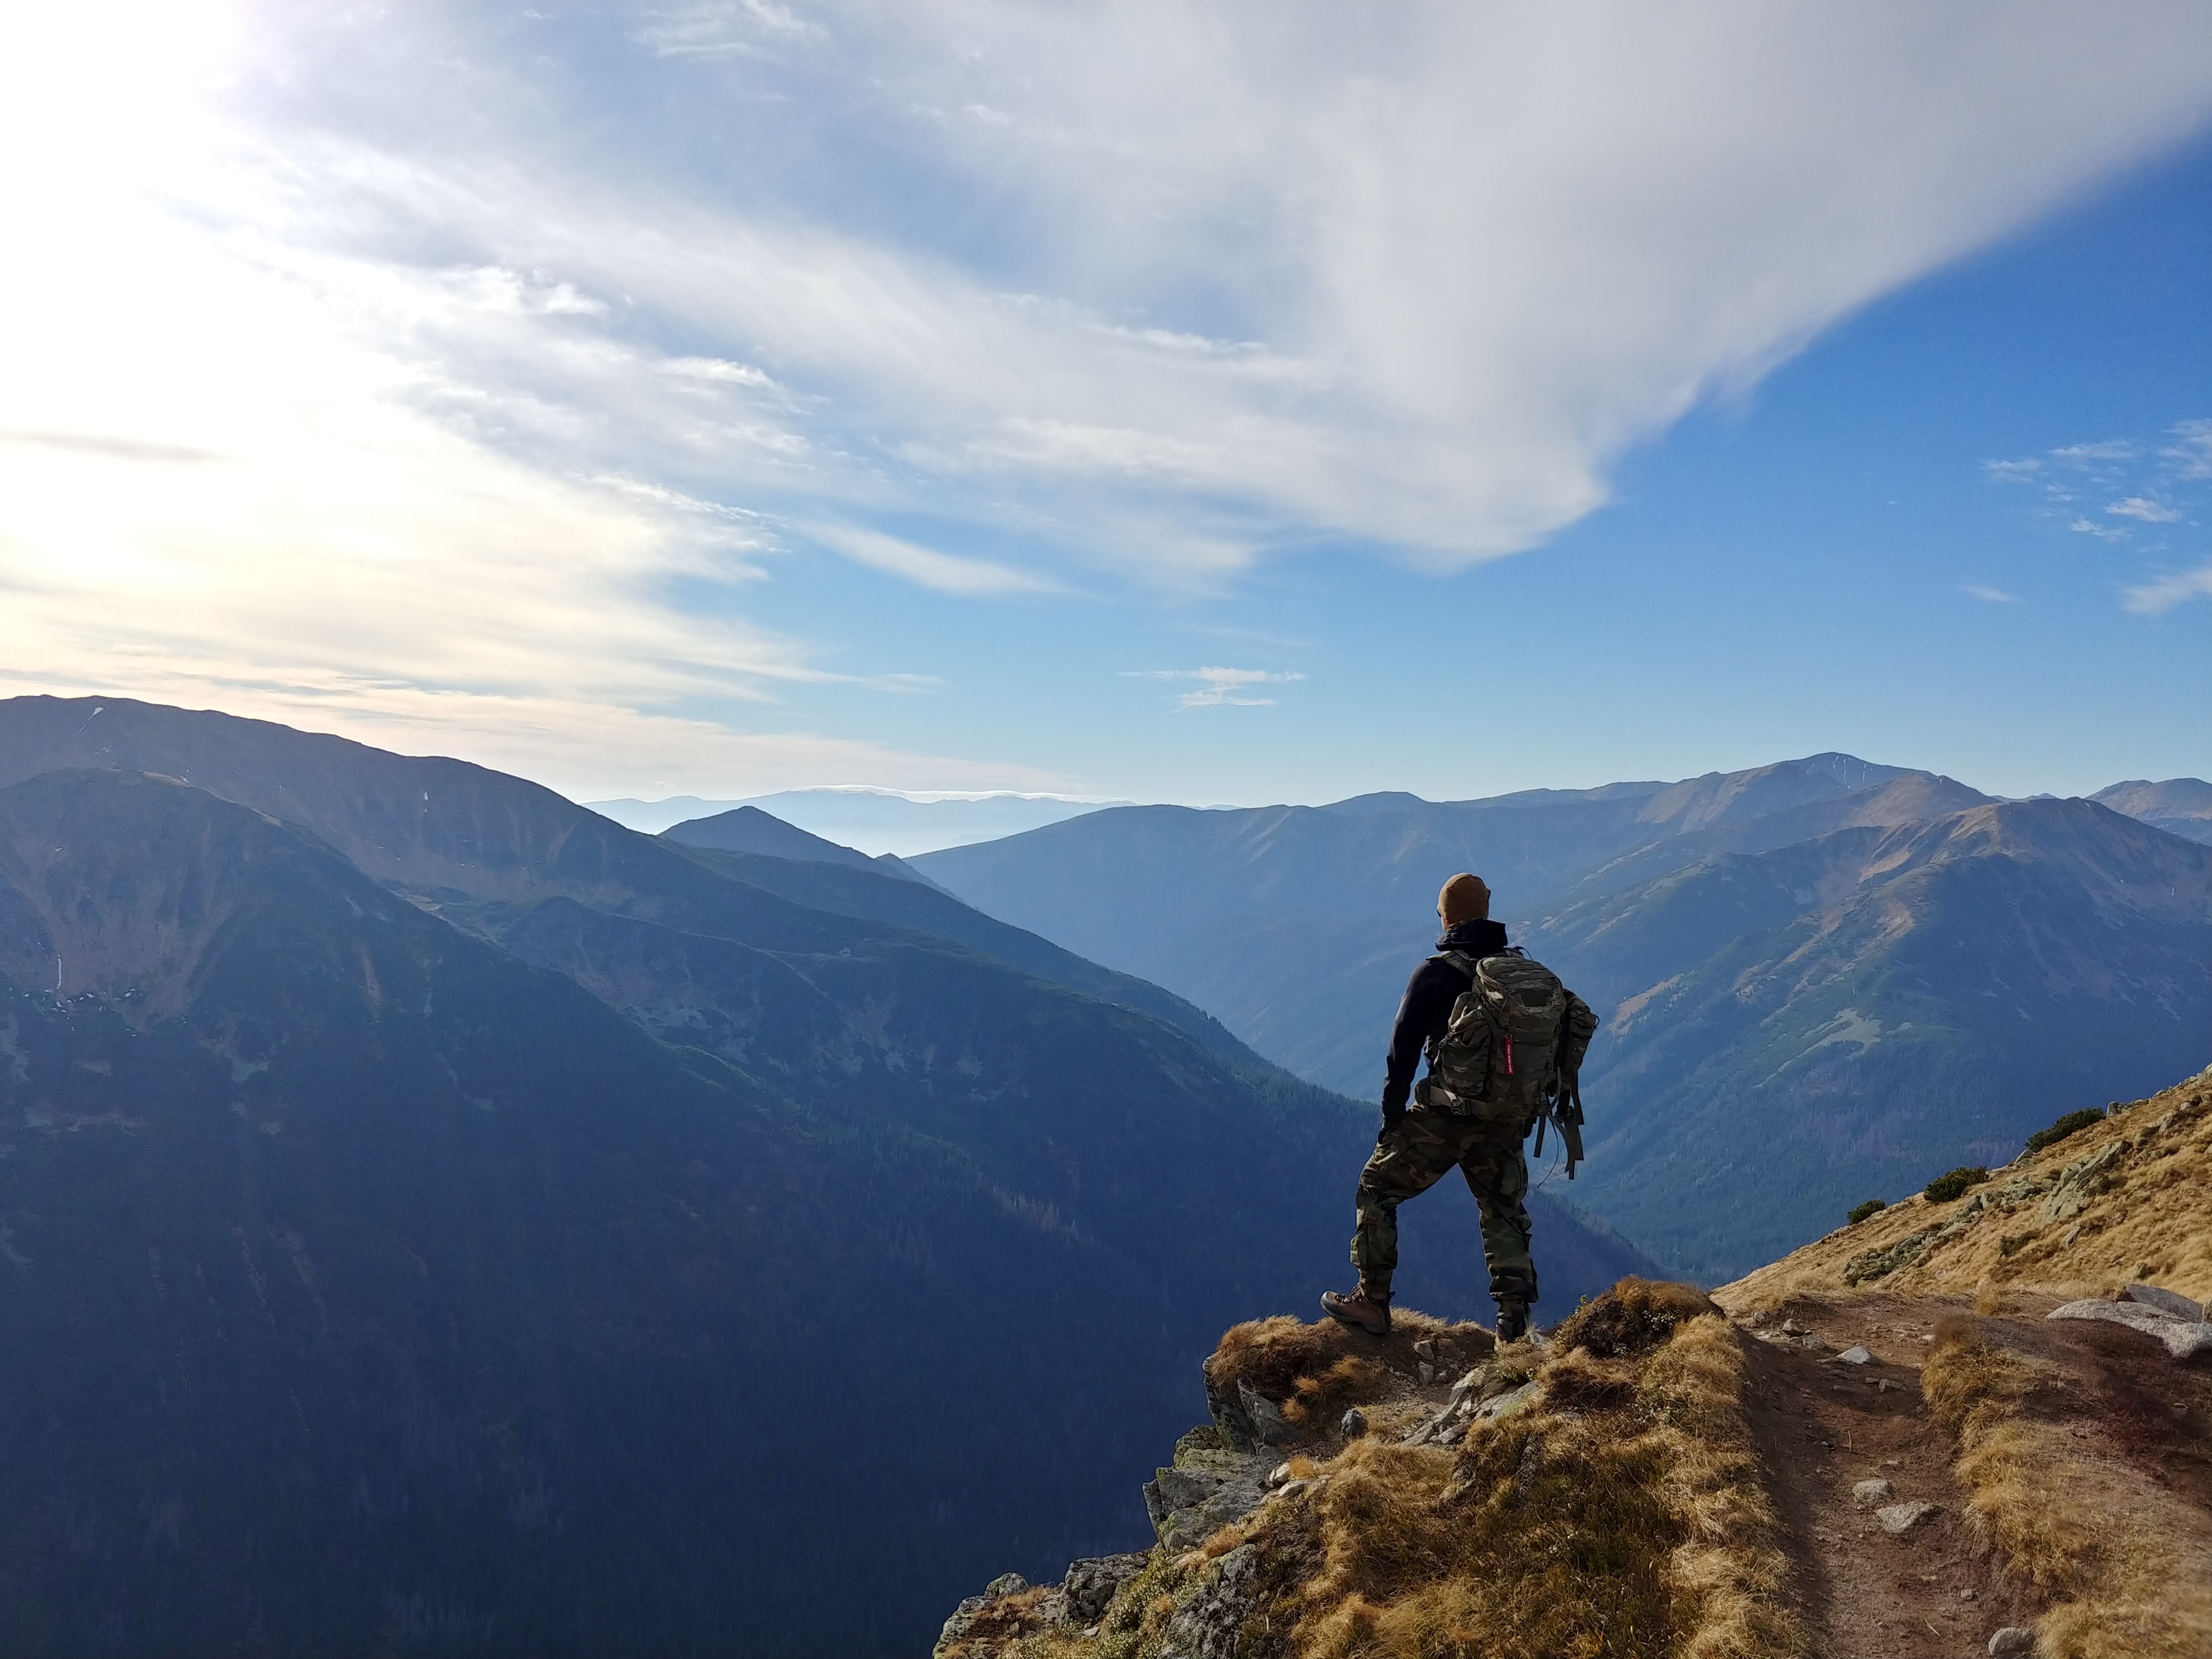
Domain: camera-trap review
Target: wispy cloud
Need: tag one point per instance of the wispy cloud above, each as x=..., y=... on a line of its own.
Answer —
x=2191, y=450
x=2153, y=486
x=926, y=567
x=1988, y=595
x=2148, y=599
x=2109, y=449
x=1218, y=688
x=511, y=421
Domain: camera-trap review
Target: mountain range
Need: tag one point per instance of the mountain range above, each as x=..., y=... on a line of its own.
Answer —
x=878, y=820
x=1815, y=977
x=435, y=1218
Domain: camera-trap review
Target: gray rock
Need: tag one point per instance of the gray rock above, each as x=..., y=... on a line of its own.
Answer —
x=1268, y=1422
x=1229, y=1423
x=1206, y=1625
x=1005, y=1584
x=1428, y=1372
x=2012, y=1643
x=1898, y=1519
x=1504, y=1406
x=2082, y=1181
x=1091, y=1584
x=1855, y=1356
x=1279, y=1474
x=1354, y=1424
x=1204, y=1490
x=1530, y=1470
x=2182, y=1341
x=962, y=1621
x=1872, y=1491
x=2155, y=1296
x=1791, y=1327
x=2186, y=1341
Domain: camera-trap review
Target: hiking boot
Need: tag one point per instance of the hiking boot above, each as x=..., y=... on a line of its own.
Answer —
x=1362, y=1310
x=1512, y=1323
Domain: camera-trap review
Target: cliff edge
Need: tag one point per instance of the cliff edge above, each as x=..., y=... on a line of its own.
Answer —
x=1975, y=1421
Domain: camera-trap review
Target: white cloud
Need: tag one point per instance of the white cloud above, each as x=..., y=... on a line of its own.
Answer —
x=2103, y=533
x=2150, y=512
x=925, y=566
x=1988, y=595
x=1218, y=688
x=2151, y=598
x=508, y=407
x=2191, y=451
x=2020, y=471
x=2109, y=449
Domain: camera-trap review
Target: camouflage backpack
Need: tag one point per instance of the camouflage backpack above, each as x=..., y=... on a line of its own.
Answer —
x=1514, y=1048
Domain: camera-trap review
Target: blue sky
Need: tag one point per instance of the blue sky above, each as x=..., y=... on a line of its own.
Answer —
x=1226, y=404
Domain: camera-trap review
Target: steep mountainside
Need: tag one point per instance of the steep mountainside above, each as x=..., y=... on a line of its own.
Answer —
x=1790, y=1032
x=2180, y=807
x=1976, y=1423
x=386, y=1289
x=873, y=896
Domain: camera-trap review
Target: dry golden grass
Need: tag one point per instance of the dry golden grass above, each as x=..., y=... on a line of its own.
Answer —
x=1623, y=1517
x=1277, y=1356
x=2154, y=1221
x=2129, y=1564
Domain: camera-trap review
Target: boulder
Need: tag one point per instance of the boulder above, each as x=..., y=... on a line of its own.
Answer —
x=2187, y=1341
x=1869, y=1492
x=1354, y=1424
x=2013, y=1642
x=1090, y=1585
x=1208, y=1486
x=1269, y=1426
x=1855, y=1356
x=2173, y=1302
x=1898, y=1519
x=1208, y=1623
x=2183, y=1339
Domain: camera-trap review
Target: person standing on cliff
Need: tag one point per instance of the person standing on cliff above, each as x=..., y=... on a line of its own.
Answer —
x=1504, y=1040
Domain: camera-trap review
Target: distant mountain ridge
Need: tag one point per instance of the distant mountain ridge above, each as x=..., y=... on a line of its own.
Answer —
x=1756, y=942
x=748, y=829
x=434, y=1218
x=880, y=821
x=1344, y=897
x=2180, y=807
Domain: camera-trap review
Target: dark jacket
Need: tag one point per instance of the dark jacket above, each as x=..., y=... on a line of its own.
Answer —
x=1425, y=1011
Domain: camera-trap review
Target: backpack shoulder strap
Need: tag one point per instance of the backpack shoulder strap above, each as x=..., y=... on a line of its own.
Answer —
x=1458, y=959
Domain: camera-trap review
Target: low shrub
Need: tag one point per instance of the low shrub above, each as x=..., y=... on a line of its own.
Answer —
x=1945, y=1188
x=2072, y=1123
x=1860, y=1211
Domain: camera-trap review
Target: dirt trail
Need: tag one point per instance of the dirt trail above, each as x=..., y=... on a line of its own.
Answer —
x=1824, y=1425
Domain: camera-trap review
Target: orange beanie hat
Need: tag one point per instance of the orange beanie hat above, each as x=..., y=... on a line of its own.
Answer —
x=1465, y=898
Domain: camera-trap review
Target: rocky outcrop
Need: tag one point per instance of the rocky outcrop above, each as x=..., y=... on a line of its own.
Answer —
x=1209, y=1484
x=2173, y=1319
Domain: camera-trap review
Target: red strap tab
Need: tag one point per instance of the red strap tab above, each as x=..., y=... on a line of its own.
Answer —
x=1509, y=1053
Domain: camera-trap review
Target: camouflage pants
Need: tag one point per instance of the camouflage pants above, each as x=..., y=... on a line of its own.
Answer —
x=1413, y=1157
